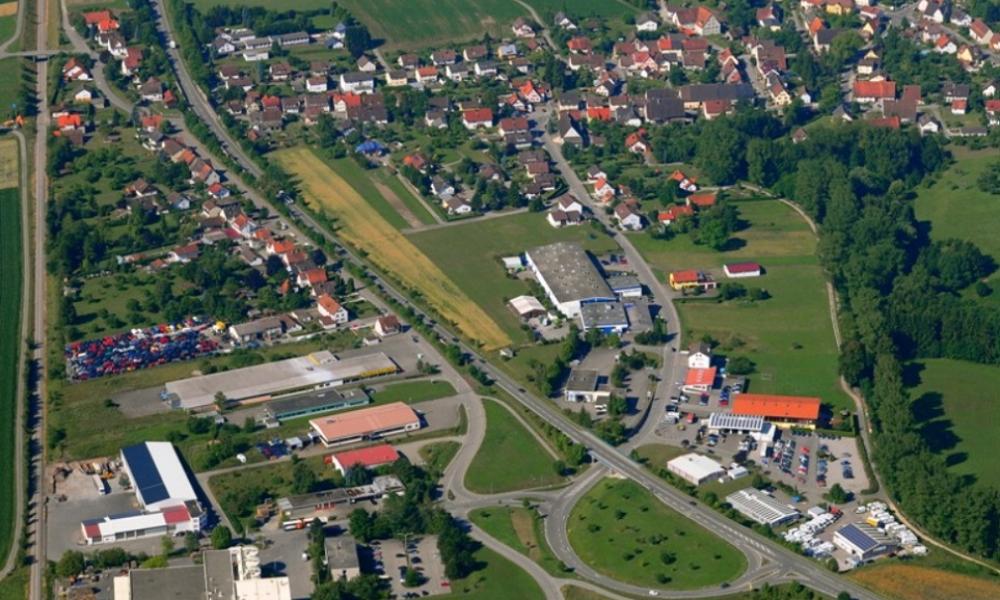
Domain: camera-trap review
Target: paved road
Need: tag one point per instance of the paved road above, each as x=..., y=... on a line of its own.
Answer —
x=17, y=30
x=196, y=98
x=80, y=45
x=36, y=528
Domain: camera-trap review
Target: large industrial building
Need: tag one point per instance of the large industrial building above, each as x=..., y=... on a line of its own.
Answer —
x=695, y=468
x=366, y=424
x=262, y=382
x=863, y=541
x=315, y=402
x=799, y=411
x=569, y=277
x=758, y=506
x=342, y=557
x=586, y=385
x=232, y=574
x=167, y=500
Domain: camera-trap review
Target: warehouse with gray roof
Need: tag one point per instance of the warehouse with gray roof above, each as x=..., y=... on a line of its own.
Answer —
x=569, y=277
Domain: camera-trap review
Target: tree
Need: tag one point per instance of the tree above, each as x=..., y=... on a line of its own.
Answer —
x=191, y=542
x=357, y=39
x=166, y=545
x=222, y=538
x=838, y=495
x=303, y=477
x=413, y=578
x=617, y=406
x=70, y=564
x=740, y=365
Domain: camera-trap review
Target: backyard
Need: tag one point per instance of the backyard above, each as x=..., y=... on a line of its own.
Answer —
x=953, y=400
x=789, y=336
x=510, y=458
x=469, y=253
x=622, y=530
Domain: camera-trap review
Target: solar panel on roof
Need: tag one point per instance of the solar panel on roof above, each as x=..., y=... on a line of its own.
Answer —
x=145, y=475
x=859, y=538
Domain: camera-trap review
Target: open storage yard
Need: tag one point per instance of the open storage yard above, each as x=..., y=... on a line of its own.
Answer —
x=953, y=401
x=470, y=254
x=789, y=336
x=622, y=530
x=510, y=458
x=364, y=228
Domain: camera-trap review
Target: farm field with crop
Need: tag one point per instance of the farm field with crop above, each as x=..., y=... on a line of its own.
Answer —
x=363, y=227
x=11, y=265
x=424, y=23
x=917, y=582
x=789, y=335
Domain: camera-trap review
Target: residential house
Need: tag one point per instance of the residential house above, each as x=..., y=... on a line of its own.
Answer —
x=522, y=28
x=131, y=61
x=627, y=218
x=867, y=92
x=358, y=83
x=646, y=22
x=74, y=70
x=331, y=309
x=441, y=187
x=674, y=213
x=479, y=117
x=152, y=90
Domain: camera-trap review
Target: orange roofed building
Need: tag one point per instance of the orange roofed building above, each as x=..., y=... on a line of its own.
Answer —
x=691, y=279
x=366, y=424
x=802, y=411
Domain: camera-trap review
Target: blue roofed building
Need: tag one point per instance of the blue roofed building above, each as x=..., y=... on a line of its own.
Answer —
x=863, y=541
x=157, y=474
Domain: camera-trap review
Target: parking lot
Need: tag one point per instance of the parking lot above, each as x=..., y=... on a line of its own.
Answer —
x=392, y=557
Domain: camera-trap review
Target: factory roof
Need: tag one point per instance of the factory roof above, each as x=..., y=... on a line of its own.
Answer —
x=365, y=421
x=760, y=507
x=157, y=473
x=341, y=552
x=569, y=272
x=582, y=380
x=603, y=314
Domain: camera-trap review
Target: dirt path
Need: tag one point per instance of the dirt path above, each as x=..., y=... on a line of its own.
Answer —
x=403, y=210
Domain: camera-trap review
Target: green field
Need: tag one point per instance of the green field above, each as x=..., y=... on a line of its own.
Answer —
x=10, y=74
x=582, y=8
x=957, y=404
x=366, y=182
x=413, y=391
x=10, y=343
x=499, y=579
x=524, y=463
x=521, y=529
x=955, y=207
x=8, y=25
x=203, y=5
x=470, y=255
x=15, y=585
x=437, y=455
x=623, y=531
x=423, y=23
x=789, y=336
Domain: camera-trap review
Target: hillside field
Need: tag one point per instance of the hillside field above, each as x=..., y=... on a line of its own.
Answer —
x=789, y=336
x=957, y=403
x=425, y=23
x=362, y=226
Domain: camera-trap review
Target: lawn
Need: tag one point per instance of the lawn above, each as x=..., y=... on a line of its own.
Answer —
x=499, y=579
x=10, y=74
x=423, y=23
x=789, y=336
x=112, y=294
x=510, y=458
x=657, y=455
x=8, y=24
x=362, y=226
x=955, y=207
x=15, y=585
x=954, y=400
x=10, y=344
x=470, y=255
x=623, y=531
x=412, y=392
x=437, y=455
x=521, y=529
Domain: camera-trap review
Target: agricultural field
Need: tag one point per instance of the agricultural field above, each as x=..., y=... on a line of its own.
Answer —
x=526, y=463
x=204, y=5
x=582, y=8
x=417, y=24
x=789, y=336
x=9, y=162
x=622, y=530
x=11, y=267
x=385, y=193
x=521, y=529
x=470, y=254
x=902, y=581
x=10, y=73
x=953, y=400
x=499, y=579
x=955, y=207
x=361, y=225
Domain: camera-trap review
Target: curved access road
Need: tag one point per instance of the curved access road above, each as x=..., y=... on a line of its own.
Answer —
x=18, y=27
x=80, y=45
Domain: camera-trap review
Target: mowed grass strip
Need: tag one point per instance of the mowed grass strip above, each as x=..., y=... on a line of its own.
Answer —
x=499, y=579
x=623, y=531
x=421, y=23
x=10, y=339
x=412, y=392
x=956, y=402
x=510, y=458
x=520, y=529
x=363, y=227
x=911, y=582
x=790, y=335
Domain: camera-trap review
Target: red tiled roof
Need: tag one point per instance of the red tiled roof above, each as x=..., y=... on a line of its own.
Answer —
x=778, y=407
x=176, y=514
x=744, y=267
x=702, y=200
x=700, y=376
x=478, y=115
x=372, y=456
x=874, y=89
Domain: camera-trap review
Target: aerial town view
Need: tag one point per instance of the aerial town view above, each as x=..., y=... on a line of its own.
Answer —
x=499, y=299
